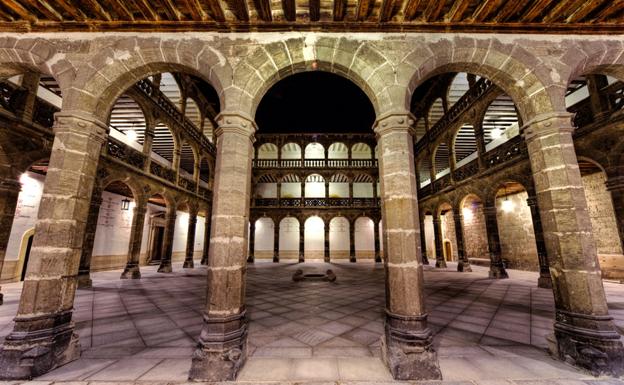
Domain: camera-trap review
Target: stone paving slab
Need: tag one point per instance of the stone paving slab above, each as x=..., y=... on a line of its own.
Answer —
x=487, y=332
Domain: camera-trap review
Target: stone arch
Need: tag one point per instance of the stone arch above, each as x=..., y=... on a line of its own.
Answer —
x=515, y=70
x=360, y=62
x=125, y=178
x=608, y=59
x=19, y=55
x=115, y=68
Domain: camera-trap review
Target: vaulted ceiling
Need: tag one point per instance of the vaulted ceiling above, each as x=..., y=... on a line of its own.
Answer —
x=550, y=16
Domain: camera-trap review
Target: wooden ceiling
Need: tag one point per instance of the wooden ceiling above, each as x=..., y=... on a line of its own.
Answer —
x=537, y=16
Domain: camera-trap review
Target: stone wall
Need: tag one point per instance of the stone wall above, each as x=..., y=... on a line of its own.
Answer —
x=515, y=229
x=448, y=234
x=604, y=226
x=475, y=236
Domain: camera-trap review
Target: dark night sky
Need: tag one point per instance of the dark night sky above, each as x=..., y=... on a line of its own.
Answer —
x=315, y=102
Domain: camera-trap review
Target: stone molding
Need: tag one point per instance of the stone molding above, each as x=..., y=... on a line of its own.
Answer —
x=395, y=122
x=547, y=124
x=236, y=123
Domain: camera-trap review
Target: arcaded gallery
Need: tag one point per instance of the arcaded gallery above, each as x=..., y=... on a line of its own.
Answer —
x=312, y=192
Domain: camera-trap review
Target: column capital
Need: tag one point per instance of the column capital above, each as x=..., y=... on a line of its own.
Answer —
x=235, y=122
x=79, y=121
x=546, y=124
x=532, y=201
x=393, y=122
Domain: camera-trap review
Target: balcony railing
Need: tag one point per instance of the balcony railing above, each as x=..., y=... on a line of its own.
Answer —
x=146, y=87
x=317, y=202
x=315, y=163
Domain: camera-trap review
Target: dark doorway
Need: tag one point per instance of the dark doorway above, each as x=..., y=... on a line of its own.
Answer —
x=27, y=256
x=157, y=244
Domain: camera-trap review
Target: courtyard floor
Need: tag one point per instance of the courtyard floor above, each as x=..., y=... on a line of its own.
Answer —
x=487, y=332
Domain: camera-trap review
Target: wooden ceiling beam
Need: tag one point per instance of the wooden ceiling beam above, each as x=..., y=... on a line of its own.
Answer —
x=172, y=10
x=315, y=9
x=5, y=16
x=121, y=10
x=147, y=11
x=97, y=8
x=363, y=9
x=386, y=10
x=583, y=10
x=196, y=9
x=340, y=9
x=215, y=11
x=485, y=9
x=290, y=11
x=615, y=6
x=264, y=9
x=19, y=9
x=509, y=10
x=411, y=7
x=535, y=10
x=457, y=10
x=46, y=9
x=562, y=8
x=433, y=9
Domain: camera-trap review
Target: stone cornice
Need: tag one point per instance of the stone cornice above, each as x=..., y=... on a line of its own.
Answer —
x=393, y=122
x=546, y=124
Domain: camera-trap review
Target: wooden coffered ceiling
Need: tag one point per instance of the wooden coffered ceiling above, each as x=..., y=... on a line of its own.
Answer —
x=537, y=16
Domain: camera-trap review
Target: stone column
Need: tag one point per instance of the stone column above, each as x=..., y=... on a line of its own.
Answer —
x=9, y=193
x=84, y=269
x=279, y=193
x=585, y=334
x=190, y=240
x=544, y=280
x=167, y=246
x=439, y=246
x=327, y=249
x=480, y=142
x=222, y=346
x=352, y=242
x=423, y=241
x=301, y=241
x=406, y=344
x=43, y=335
x=497, y=267
x=252, y=241
x=377, y=243
x=463, y=264
x=276, y=231
x=30, y=82
x=303, y=193
x=206, y=250
x=148, y=142
x=326, y=190
x=136, y=236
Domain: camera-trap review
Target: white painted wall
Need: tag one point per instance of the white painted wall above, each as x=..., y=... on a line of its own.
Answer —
x=289, y=234
x=339, y=190
x=266, y=190
x=290, y=190
x=339, y=234
x=264, y=234
x=315, y=189
x=314, y=151
x=25, y=212
x=362, y=190
x=364, y=234
x=314, y=234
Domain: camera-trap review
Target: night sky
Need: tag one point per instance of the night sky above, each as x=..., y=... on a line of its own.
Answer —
x=318, y=102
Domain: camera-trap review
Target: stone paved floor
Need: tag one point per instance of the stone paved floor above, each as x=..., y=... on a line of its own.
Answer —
x=486, y=331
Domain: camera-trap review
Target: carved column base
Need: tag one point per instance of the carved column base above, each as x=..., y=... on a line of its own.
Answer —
x=131, y=271
x=251, y=259
x=84, y=280
x=464, y=266
x=590, y=342
x=326, y=259
x=498, y=272
x=425, y=260
x=544, y=281
x=188, y=264
x=377, y=258
x=165, y=267
x=301, y=258
x=352, y=259
x=440, y=263
x=38, y=345
x=406, y=349
x=222, y=349
x=275, y=258
x=1, y=298
x=204, y=261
